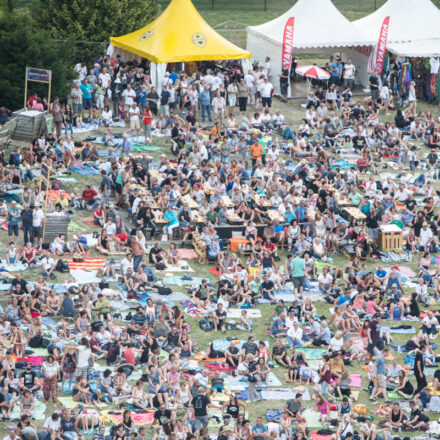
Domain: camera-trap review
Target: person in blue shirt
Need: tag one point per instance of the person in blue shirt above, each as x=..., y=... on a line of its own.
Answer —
x=381, y=272
x=289, y=215
x=300, y=211
x=173, y=221
x=259, y=428
x=86, y=90
x=142, y=98
x=343, y=299
x=173, y=76
x=336, y=72
x=205, y=101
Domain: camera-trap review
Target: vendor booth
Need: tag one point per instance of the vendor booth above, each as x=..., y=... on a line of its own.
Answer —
x=414, y=40
x=319, y=29
x=179, y=34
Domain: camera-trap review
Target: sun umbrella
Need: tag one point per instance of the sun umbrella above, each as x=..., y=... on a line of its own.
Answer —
x=314, y=72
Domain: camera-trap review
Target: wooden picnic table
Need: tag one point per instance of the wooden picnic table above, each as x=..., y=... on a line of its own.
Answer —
x=262, y=201
x=233, y=217
x=190, y=201
x=273, y=214
x=226, y=200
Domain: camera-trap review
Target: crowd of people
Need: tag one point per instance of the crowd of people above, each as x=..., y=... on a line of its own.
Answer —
x=278, y=208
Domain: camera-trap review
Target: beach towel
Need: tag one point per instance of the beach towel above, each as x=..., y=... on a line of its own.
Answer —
x=214, y=271
x=219, y=366
x=284, y=393
x=84, y=171
x=403, y=270
x=88, y=220
x=34, y=360
x=187, y=254
x=178, y=281
x=85, y=276
x=138, y=418
x=54, y=195
x=312, y=418
x=37, y=414
x=42, y=352
x=315, y=436
x=355, y=380
x=274, y=415
x=399, y=331
x=139, y=147
x=17, y=267
x=86, y=264
x=181, y=266
x=314, y=353
x=236, y=313
x=392, y=395
x=240, y=383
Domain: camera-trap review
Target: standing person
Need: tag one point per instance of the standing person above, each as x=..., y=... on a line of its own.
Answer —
x=105, y=188
x=129, y=95
x=14, y=216
x=205, y=102
x=26, y=221
x=373, y=82
x=374, y=339
x=349, y=74
x=298, y=265
x=134, y=114
x=152, y=98
x=138, y=252
x=85, y=358
x=86, y=90
x=419, y=369
x=200, y=403
x=165, y=99
x=380, y=387
x=148, y=119
x=266, y=92
x=267, y=68
x=50, y=370
x=57, y=119
x=76, y=96
x=243, y=94
x=412, y=98
x=284, y=83
x=232, y=96
x=219, y=106
x=37, y=226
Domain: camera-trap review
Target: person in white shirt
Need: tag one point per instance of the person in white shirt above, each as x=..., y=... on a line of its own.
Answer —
x=267, y=68
x=429, y=324
x=219, y=106
x=421, y=291
x=232, y=96
x=266, y=89
x=128, y=94
x=37, y=226
x=105, y=78
x=278, y=119
x=126, y=263
x=249, y=80
x=135, y=125
x=401, y=194
x=81, y=69
x=294, y=335
x=385, y=97
x=325, y=280
x=349, y=74
x=48, y=265
x=426, y=237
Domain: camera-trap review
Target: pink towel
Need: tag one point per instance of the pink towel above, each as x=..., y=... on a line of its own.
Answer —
x=355, y=380
x=187, y=254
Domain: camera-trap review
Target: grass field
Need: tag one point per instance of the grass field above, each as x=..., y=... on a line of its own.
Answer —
x=249, y=12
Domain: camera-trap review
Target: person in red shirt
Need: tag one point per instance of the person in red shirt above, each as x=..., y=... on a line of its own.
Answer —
x=88, y=196
x=32, y=100
x=148, y=118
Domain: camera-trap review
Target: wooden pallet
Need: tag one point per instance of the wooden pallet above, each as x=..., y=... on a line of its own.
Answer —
x=200, y=248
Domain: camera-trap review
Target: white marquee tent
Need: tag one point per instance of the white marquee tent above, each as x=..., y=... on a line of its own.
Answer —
x=414, y=27
x=319, y=28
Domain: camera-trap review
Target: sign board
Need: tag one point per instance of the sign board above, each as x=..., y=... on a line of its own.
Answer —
x=39, y=75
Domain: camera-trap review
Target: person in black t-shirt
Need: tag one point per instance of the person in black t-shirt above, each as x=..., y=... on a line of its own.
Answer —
x=29, y=379
x=219, y=318
x=419, y=369
x=152, y=98
x=155, y=255
x=165, y=418
x=200, y=403
x=373, y=82
x=417, y=419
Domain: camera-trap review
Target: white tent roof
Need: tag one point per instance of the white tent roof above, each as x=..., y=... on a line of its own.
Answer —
x=418, y=48
x=410, y=20
x=318, y=23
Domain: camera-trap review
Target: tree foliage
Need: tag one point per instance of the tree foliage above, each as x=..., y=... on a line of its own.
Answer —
x=93, y=20
x=25, y=47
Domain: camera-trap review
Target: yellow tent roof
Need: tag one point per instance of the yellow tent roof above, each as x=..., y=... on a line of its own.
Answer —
x=179, y=34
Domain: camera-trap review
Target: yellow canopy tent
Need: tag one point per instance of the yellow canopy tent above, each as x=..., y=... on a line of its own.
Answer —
x=179, y=34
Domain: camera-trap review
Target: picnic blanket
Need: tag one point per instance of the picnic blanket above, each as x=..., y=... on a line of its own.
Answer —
x=84, y=171
x=138, y=418
x=312, y=418
x=314, y=353
x=178, y=281
x=399, y=331
x=181, y=266
x=403, y=270
x=222, y=366
x=236, y=313
x=315, y=436
x=54, y=194
x=37, y=414
x=355, y=380
x=139, y=147
x=85, y=276
x=284, y=393
x=88, y=220
x=187, y=254
x=239, y=383
x=86, y=264
x=17, y=267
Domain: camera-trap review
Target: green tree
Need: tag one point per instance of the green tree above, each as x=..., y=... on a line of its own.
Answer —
x=93, y=20
x=23, y=47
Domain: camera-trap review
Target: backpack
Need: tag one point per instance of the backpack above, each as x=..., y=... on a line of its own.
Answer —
x=206, y=325
x=164, y=290
x=62, y=266
x=112, y=355
x=35, y=341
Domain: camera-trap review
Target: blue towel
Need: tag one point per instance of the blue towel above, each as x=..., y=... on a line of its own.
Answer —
x=84, y=171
